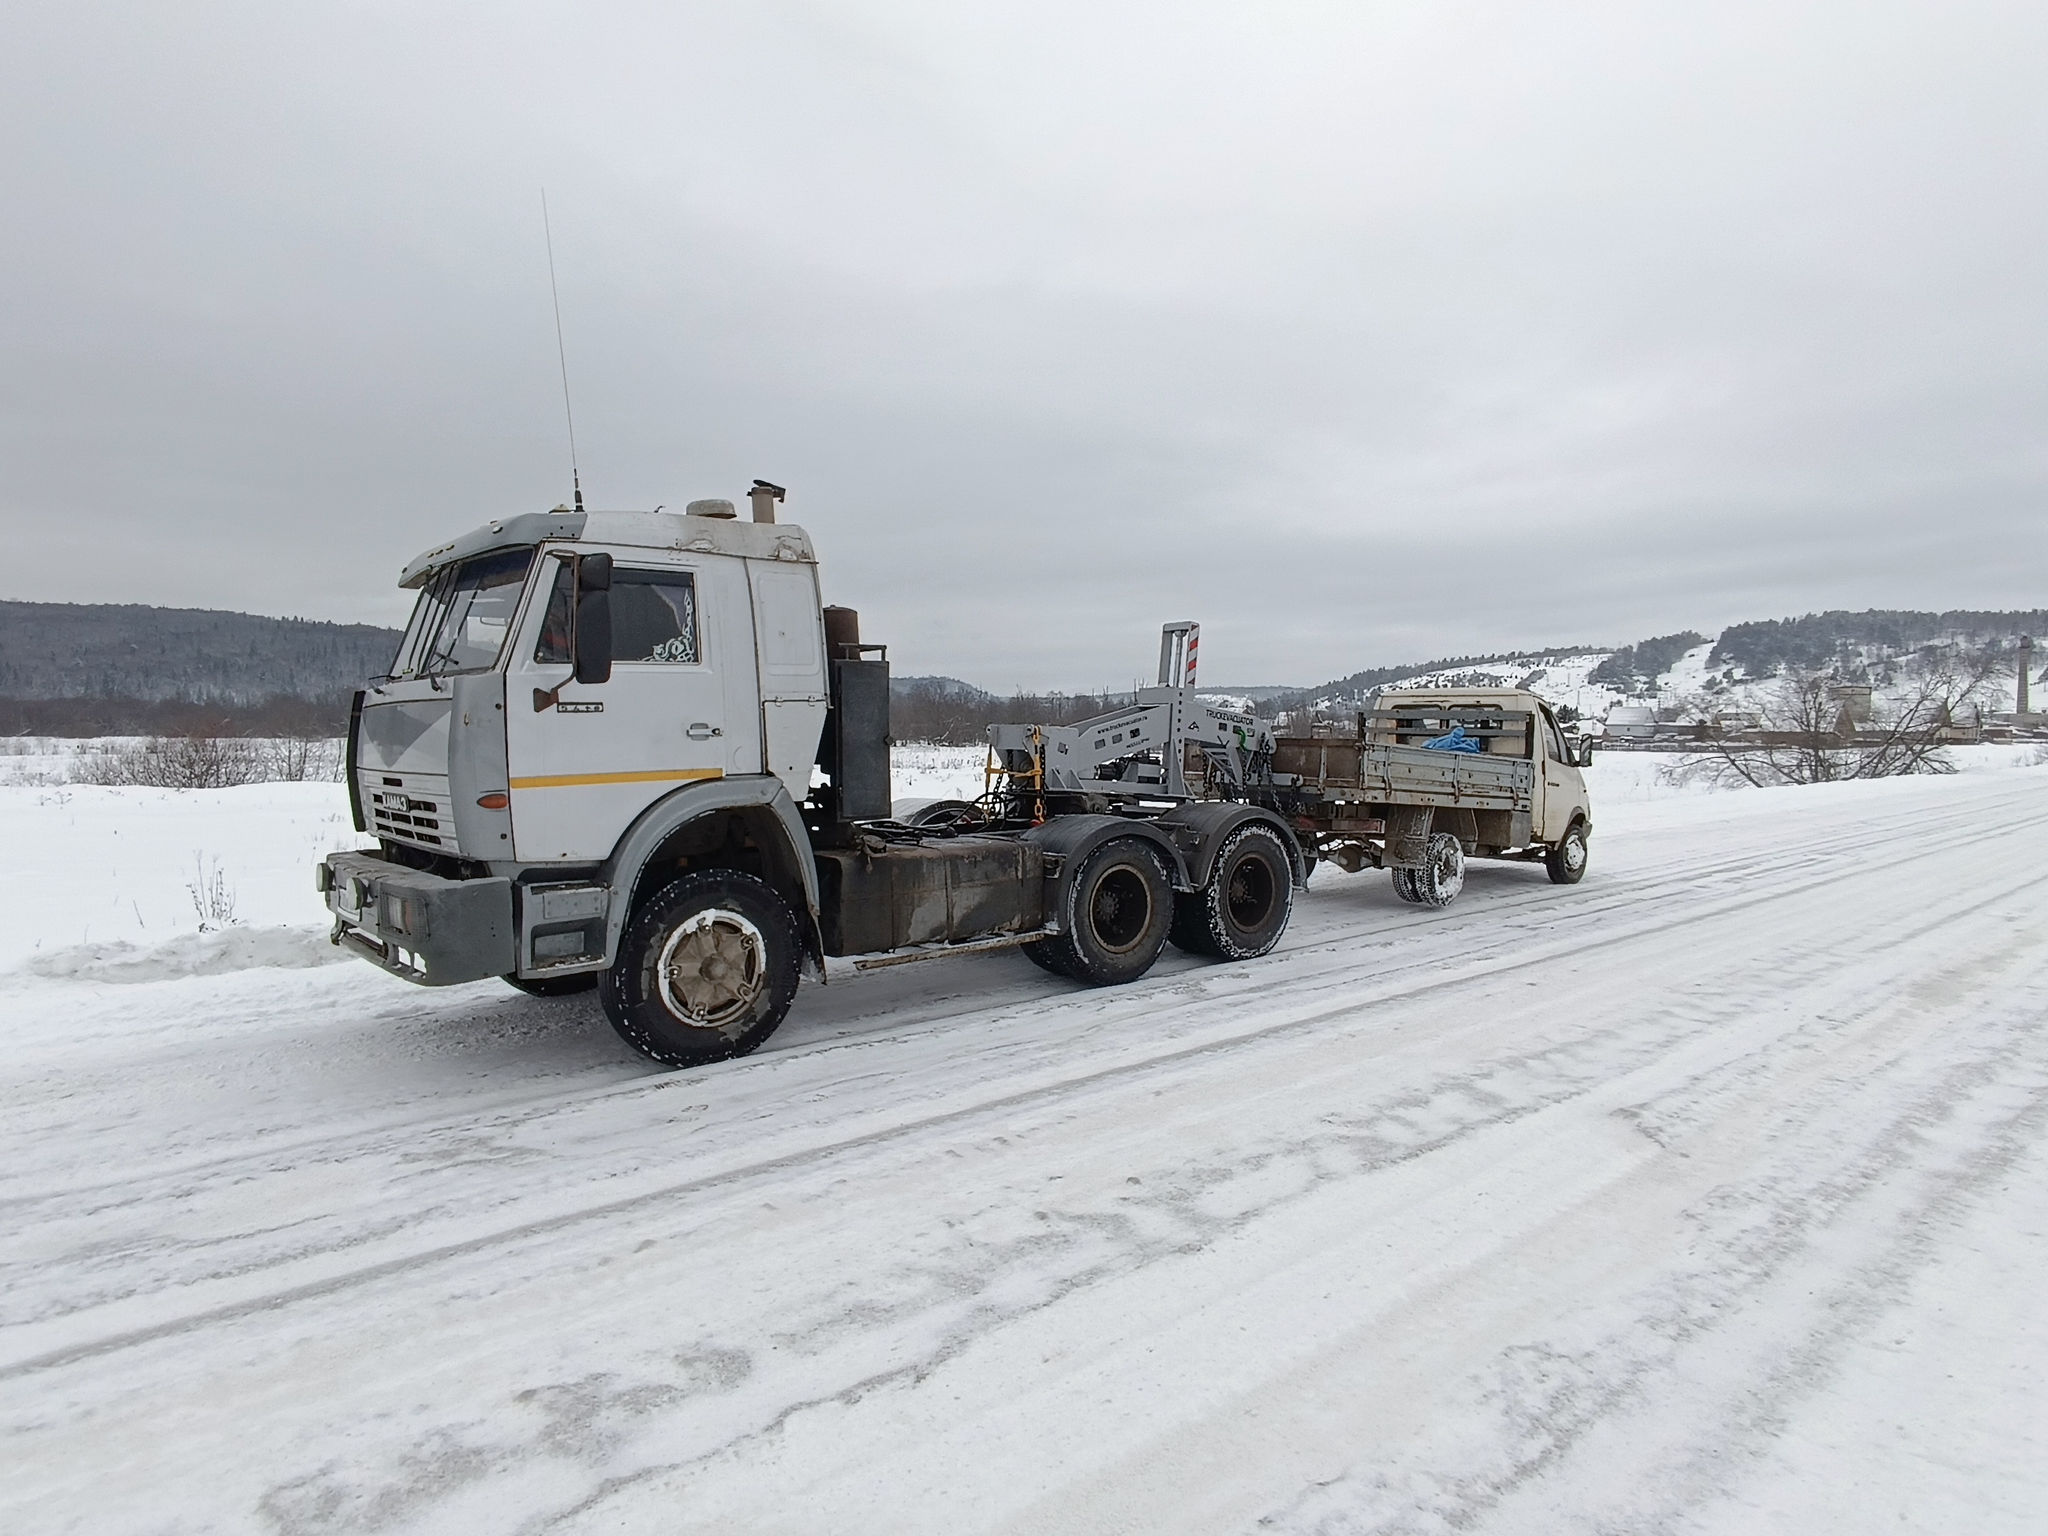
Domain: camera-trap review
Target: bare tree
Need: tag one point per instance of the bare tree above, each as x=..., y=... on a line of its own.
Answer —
x=1806, y=731
x=174, y=762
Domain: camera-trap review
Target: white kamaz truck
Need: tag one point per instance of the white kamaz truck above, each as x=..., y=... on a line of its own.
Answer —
x=634, y=750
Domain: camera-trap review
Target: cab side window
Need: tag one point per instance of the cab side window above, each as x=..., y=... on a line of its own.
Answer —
x=1553, y=744
x=654, y=616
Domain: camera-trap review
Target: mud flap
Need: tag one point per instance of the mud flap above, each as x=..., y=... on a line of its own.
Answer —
x=1407, y=835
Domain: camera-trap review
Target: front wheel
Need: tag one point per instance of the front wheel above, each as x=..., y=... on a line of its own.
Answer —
x=706, y=970
x=1566, y=863
x=1118, y=909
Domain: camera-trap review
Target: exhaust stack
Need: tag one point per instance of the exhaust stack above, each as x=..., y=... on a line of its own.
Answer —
x=764, y=496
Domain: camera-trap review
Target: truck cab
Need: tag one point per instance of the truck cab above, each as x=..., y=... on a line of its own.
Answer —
x=713, y=667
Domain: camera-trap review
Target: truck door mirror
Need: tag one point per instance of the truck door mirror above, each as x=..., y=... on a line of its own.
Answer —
x=1583, y=756
x=593, y=648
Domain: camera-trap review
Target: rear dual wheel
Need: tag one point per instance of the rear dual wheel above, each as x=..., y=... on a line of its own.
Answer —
x=1119, y=907
x=1441, y=876
x=1244, y=908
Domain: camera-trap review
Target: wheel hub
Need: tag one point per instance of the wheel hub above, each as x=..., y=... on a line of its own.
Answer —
x=1249, y=896
x=1121, y=909
x=712, y=970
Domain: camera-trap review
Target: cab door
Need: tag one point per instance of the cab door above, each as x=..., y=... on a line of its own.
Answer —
x=588, y=760
x=1560, y=788
x=789, y=641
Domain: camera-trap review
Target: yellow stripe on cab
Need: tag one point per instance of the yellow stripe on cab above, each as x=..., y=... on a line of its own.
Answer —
x=652, y=776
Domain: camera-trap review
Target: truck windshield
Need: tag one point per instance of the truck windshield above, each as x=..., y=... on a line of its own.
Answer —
x=463, y=616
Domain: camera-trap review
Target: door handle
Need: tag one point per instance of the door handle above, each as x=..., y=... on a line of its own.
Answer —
x=703, y=730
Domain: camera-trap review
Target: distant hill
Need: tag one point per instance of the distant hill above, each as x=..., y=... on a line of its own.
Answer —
x=123, y=668
x=1647, y=660
x=197, y=655
x=1445, y=671
x=1840, y=637
x=100, y=668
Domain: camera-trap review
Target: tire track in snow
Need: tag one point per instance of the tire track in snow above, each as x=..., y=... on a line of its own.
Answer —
x=270, y=1297
x=1496, y=924
x=1491, y=1100
x=1899, y=1144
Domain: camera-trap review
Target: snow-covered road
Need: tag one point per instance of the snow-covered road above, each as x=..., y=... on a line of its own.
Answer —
x=1709, y=1195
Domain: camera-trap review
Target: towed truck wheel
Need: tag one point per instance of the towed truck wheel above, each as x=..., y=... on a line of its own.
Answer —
x=706, y=970
x=1118, y=909
x=1244, y=908
x=1442, y=875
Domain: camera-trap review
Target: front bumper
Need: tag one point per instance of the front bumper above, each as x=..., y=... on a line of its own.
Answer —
x=426, y=928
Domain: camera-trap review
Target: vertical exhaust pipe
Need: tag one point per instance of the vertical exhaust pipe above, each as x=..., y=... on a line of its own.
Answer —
x=764, y=496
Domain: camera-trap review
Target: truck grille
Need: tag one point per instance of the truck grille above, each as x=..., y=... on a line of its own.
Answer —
x=406, y=810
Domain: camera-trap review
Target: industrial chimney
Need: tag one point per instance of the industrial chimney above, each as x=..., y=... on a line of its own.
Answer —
x=2026, y=667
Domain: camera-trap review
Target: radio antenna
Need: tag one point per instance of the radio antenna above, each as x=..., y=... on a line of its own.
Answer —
x=561, y=352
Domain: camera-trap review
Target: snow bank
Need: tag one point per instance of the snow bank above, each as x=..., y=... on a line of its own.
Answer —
x=113, y=884
x=92, y=867
x=190, y=954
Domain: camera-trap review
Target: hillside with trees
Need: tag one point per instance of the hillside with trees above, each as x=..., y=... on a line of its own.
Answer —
x=104, y=668
x=1839, y=638
x=78, y=669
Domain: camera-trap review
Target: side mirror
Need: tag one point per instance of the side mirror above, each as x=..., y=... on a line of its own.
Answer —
x=1583, y=756
x=593, y=648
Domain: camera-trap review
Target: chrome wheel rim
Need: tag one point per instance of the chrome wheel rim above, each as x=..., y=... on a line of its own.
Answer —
x=1449, y=874
x=712, y=970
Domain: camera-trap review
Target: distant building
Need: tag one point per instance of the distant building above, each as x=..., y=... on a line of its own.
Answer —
x=1631, y=722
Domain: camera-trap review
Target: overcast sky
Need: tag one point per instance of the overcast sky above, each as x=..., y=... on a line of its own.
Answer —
x=1359, y=332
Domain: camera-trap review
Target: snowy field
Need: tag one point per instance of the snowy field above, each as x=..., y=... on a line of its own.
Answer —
x=1709, y=1196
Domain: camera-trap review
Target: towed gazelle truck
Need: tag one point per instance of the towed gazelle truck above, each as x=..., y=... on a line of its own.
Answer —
x=1430, y=777
x=634, y=750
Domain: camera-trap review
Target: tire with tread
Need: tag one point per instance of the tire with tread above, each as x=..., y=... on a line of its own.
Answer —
x=1190, y=930
x=1043, y=954
x=1566, y=863
x=1242, y=911
x=1118, y=908
x=554, y=986
x=706, y=969
x=1404, y=883
x=1442, y=874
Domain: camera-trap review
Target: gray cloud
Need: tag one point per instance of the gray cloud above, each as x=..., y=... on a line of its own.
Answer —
x=1359, y=333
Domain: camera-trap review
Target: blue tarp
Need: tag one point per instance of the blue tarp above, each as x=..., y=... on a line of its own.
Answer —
x=1455, y=740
